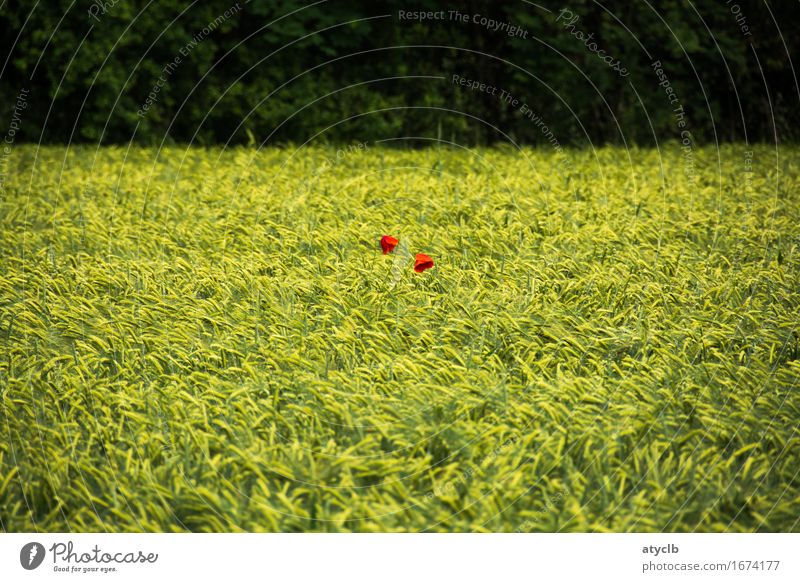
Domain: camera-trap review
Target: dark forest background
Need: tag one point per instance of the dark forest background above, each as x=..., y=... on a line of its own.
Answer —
x=85, y=79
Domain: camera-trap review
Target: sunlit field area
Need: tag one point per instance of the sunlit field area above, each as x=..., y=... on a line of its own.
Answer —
x=214, y=340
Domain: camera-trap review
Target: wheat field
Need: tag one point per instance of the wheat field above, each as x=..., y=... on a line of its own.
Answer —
x=212, y=340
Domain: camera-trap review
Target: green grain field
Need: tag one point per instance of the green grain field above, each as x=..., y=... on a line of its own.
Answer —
x=212, y=340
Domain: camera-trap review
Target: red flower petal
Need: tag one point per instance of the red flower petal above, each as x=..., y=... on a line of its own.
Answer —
x=423, y=263
x=388, y=243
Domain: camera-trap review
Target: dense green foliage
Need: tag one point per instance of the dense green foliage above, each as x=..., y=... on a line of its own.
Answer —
x=286, y=71
x=212, y=340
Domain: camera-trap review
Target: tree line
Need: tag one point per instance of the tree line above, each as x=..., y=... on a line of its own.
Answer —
x=281, y=71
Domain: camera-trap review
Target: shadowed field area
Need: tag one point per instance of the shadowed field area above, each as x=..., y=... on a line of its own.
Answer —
x=212, y=340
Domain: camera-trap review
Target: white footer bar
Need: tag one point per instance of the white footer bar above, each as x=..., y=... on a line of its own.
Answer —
x=406, y=557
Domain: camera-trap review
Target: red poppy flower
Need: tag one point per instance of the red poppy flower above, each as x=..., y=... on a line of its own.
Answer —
x=388, y=243
x=423, y=263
